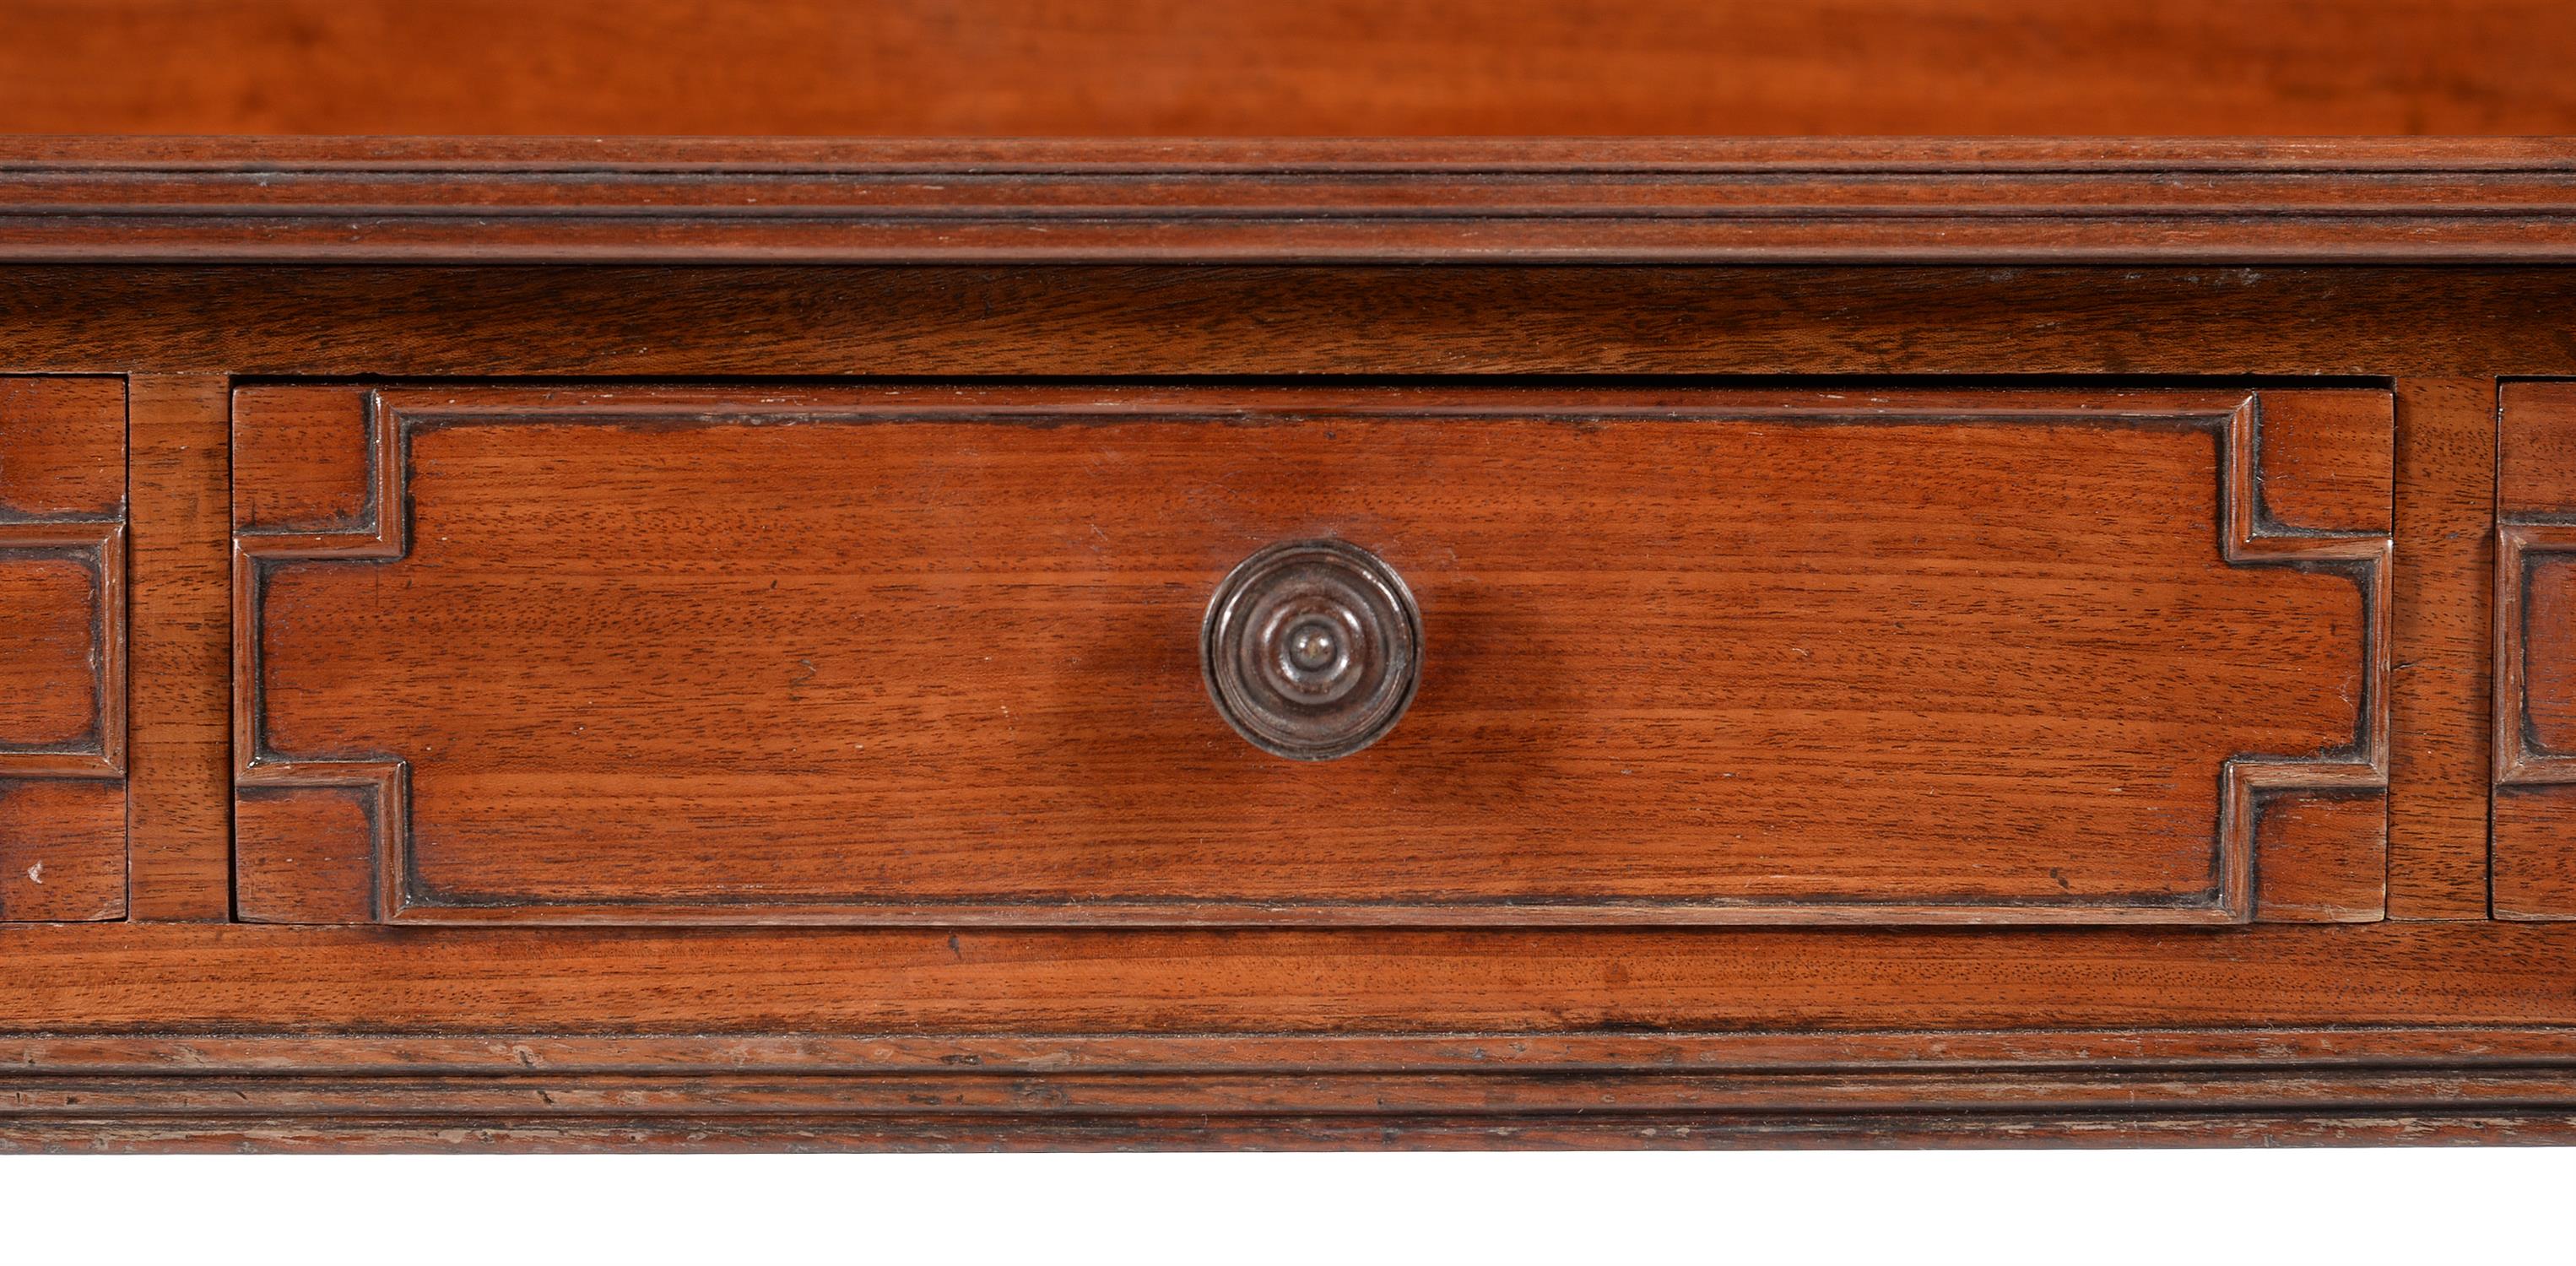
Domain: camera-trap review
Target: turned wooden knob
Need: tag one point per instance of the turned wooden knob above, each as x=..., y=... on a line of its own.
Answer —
x=1311, y=648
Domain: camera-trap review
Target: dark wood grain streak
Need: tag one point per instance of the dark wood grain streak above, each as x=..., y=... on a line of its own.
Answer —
x=1198, y=321
x=1460, y=201
x=180, y=809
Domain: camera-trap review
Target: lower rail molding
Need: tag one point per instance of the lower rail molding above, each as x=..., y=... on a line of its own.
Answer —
x=1447, y=1091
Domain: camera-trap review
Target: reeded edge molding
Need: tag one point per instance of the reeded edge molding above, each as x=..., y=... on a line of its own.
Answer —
x=498, y=200
x=2247, y=538
x=158, y=1092
x=100, y=544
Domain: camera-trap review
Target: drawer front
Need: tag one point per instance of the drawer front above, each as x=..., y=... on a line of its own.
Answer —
x=62, y=648
x=933, y=655
x=2534, y=815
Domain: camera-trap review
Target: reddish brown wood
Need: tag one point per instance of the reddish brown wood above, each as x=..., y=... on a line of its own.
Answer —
x=181, y=804
x=62, y=849
x=2355, y=324
x=243, y=1035
x=305, y=854
x=66, y=454
x=1501, y=983
x=2418, y=1124
x=2439, y=778
x=2322, y=859
x=62, y=665
x=2484, y=1049
x=52, y=600
x=944, y=1092
x=2535, y=761
x=300, y=459
x=1238, y=67
x=867, y=656
x=1455, y=201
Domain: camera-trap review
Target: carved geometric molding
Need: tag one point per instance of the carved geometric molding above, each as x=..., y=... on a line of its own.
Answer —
x=329, y=830
x=62, y=648
x=2533, y=820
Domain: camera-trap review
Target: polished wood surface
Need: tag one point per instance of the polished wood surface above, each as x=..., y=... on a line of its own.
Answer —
x=53, y=599
x=2535, y=617
x=2437, y=1023
x=2352, y=325
x=532, y=1038
x=930, y=655
x=773, y=1092
x=179, y=812
x=2441, y=649
x=1296, y=67
x=1546, y=983
x=431, y=200
x=62, y=648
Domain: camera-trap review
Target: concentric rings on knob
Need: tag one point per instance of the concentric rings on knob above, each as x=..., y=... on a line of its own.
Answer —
x=1311, y=649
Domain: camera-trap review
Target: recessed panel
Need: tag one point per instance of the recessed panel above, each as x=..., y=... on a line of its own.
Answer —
x=927, y=655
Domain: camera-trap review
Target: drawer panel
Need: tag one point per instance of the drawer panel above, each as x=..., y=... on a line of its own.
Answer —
x=2533, y=847
x=62, y=648
x=933, y=655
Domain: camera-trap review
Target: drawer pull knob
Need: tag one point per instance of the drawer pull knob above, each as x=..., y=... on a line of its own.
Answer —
x=1311, y=649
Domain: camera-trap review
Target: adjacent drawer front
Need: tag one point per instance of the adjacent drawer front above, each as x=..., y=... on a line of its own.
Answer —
x=62, y=648
x=647, y=655
x=2534, y=814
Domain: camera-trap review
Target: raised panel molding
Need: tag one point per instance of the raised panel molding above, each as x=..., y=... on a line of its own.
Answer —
x=321, y=474
x=2533, y=824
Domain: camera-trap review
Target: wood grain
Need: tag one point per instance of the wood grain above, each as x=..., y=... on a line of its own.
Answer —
x=2534, y=860
x=2433, y=1028
x=1310, y=67
x=53, y=601
x=1311, y=202
x=791, y=1092
x=66, y=449
x=2439, y=684
x=2355, y=323
x=62, y=655
x=614, y=982
x=1838, y=692
x=180, y=812
x=2430, y=1124
x=62, y=849
x=2322, y=859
